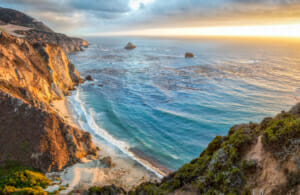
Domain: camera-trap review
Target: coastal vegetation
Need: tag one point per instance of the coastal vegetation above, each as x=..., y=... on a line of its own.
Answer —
x=222, y=168
x=237, y=163
x=225, y=166
x=18, y=179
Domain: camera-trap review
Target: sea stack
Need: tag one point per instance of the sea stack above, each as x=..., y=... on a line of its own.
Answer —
x=189, y=55
x=130, y=46
x=89, y=78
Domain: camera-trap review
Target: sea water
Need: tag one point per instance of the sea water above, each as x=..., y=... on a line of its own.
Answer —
x=154, y=104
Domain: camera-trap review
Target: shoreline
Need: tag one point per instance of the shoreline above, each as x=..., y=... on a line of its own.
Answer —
x=63, y=108
x=127, y=172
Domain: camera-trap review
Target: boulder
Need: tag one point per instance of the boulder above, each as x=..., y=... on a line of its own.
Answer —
x=107, y=161
x=189, y=55
x=89, y=78
x=130, y=46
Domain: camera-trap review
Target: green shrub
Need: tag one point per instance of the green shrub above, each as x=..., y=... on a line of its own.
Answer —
x=281, y=130
x=249, y=165
x=112, y=189
x=18, y=179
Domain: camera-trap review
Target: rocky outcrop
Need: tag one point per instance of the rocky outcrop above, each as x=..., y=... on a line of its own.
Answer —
x=39, y=32
x=89, y=78
x=107, y=161
x=35, y=72
x=31, y=76
x=189, y=55
x=130, y=46
x=10, y=16
x=39, y=138
x=68, y=44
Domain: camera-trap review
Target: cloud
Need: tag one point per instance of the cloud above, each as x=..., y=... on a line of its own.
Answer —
x=113, y=15
x=114, y=6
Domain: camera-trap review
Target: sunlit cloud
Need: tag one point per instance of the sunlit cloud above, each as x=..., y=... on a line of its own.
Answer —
x=186, y=16
x=288, y=30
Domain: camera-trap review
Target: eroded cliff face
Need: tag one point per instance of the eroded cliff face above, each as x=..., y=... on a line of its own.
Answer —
x=36, y=73
x=39, y=138
x=31, y=76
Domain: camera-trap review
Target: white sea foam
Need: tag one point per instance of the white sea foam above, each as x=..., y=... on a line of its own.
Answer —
x=90, y=124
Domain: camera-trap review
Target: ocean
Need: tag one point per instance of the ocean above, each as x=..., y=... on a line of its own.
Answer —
x=153, y=104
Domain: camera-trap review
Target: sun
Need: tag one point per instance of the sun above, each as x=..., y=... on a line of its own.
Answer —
x=135, y=4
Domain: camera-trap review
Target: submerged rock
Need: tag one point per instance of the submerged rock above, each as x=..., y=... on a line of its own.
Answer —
x=130, y=46
x=189, y=55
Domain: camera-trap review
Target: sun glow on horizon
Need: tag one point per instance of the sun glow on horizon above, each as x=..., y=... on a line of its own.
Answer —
x=283, y=30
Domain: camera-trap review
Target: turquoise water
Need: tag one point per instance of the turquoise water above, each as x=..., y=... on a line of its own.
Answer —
x=156, y=103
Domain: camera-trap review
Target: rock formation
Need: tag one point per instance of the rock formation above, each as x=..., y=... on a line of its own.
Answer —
x=68, y=44
x=39, y=32
x=10, y=16
x=89, y=78
x=107, y=161
x=189, y=55
x=130, y=46
x=31, y=76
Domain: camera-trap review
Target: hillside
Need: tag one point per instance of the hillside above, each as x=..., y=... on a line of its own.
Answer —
x=253, y=158
x=10, y=16
x=37, y=32
x=31, y=77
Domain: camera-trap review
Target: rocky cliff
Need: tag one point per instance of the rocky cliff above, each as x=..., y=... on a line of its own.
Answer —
x=253, y=159
x=31, y=76
x=38, y=32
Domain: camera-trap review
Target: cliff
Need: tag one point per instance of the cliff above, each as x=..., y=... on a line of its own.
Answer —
x=38, y=32
x=253, y=158
x=31, y=76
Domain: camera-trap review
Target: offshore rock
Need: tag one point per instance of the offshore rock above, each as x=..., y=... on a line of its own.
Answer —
x=189, y=55
x=130, y=46
x=89, y=78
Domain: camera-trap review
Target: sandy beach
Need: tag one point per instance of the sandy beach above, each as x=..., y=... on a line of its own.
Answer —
x=125, y=171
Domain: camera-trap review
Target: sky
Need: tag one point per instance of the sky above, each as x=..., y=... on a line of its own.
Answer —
x=165, y=17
